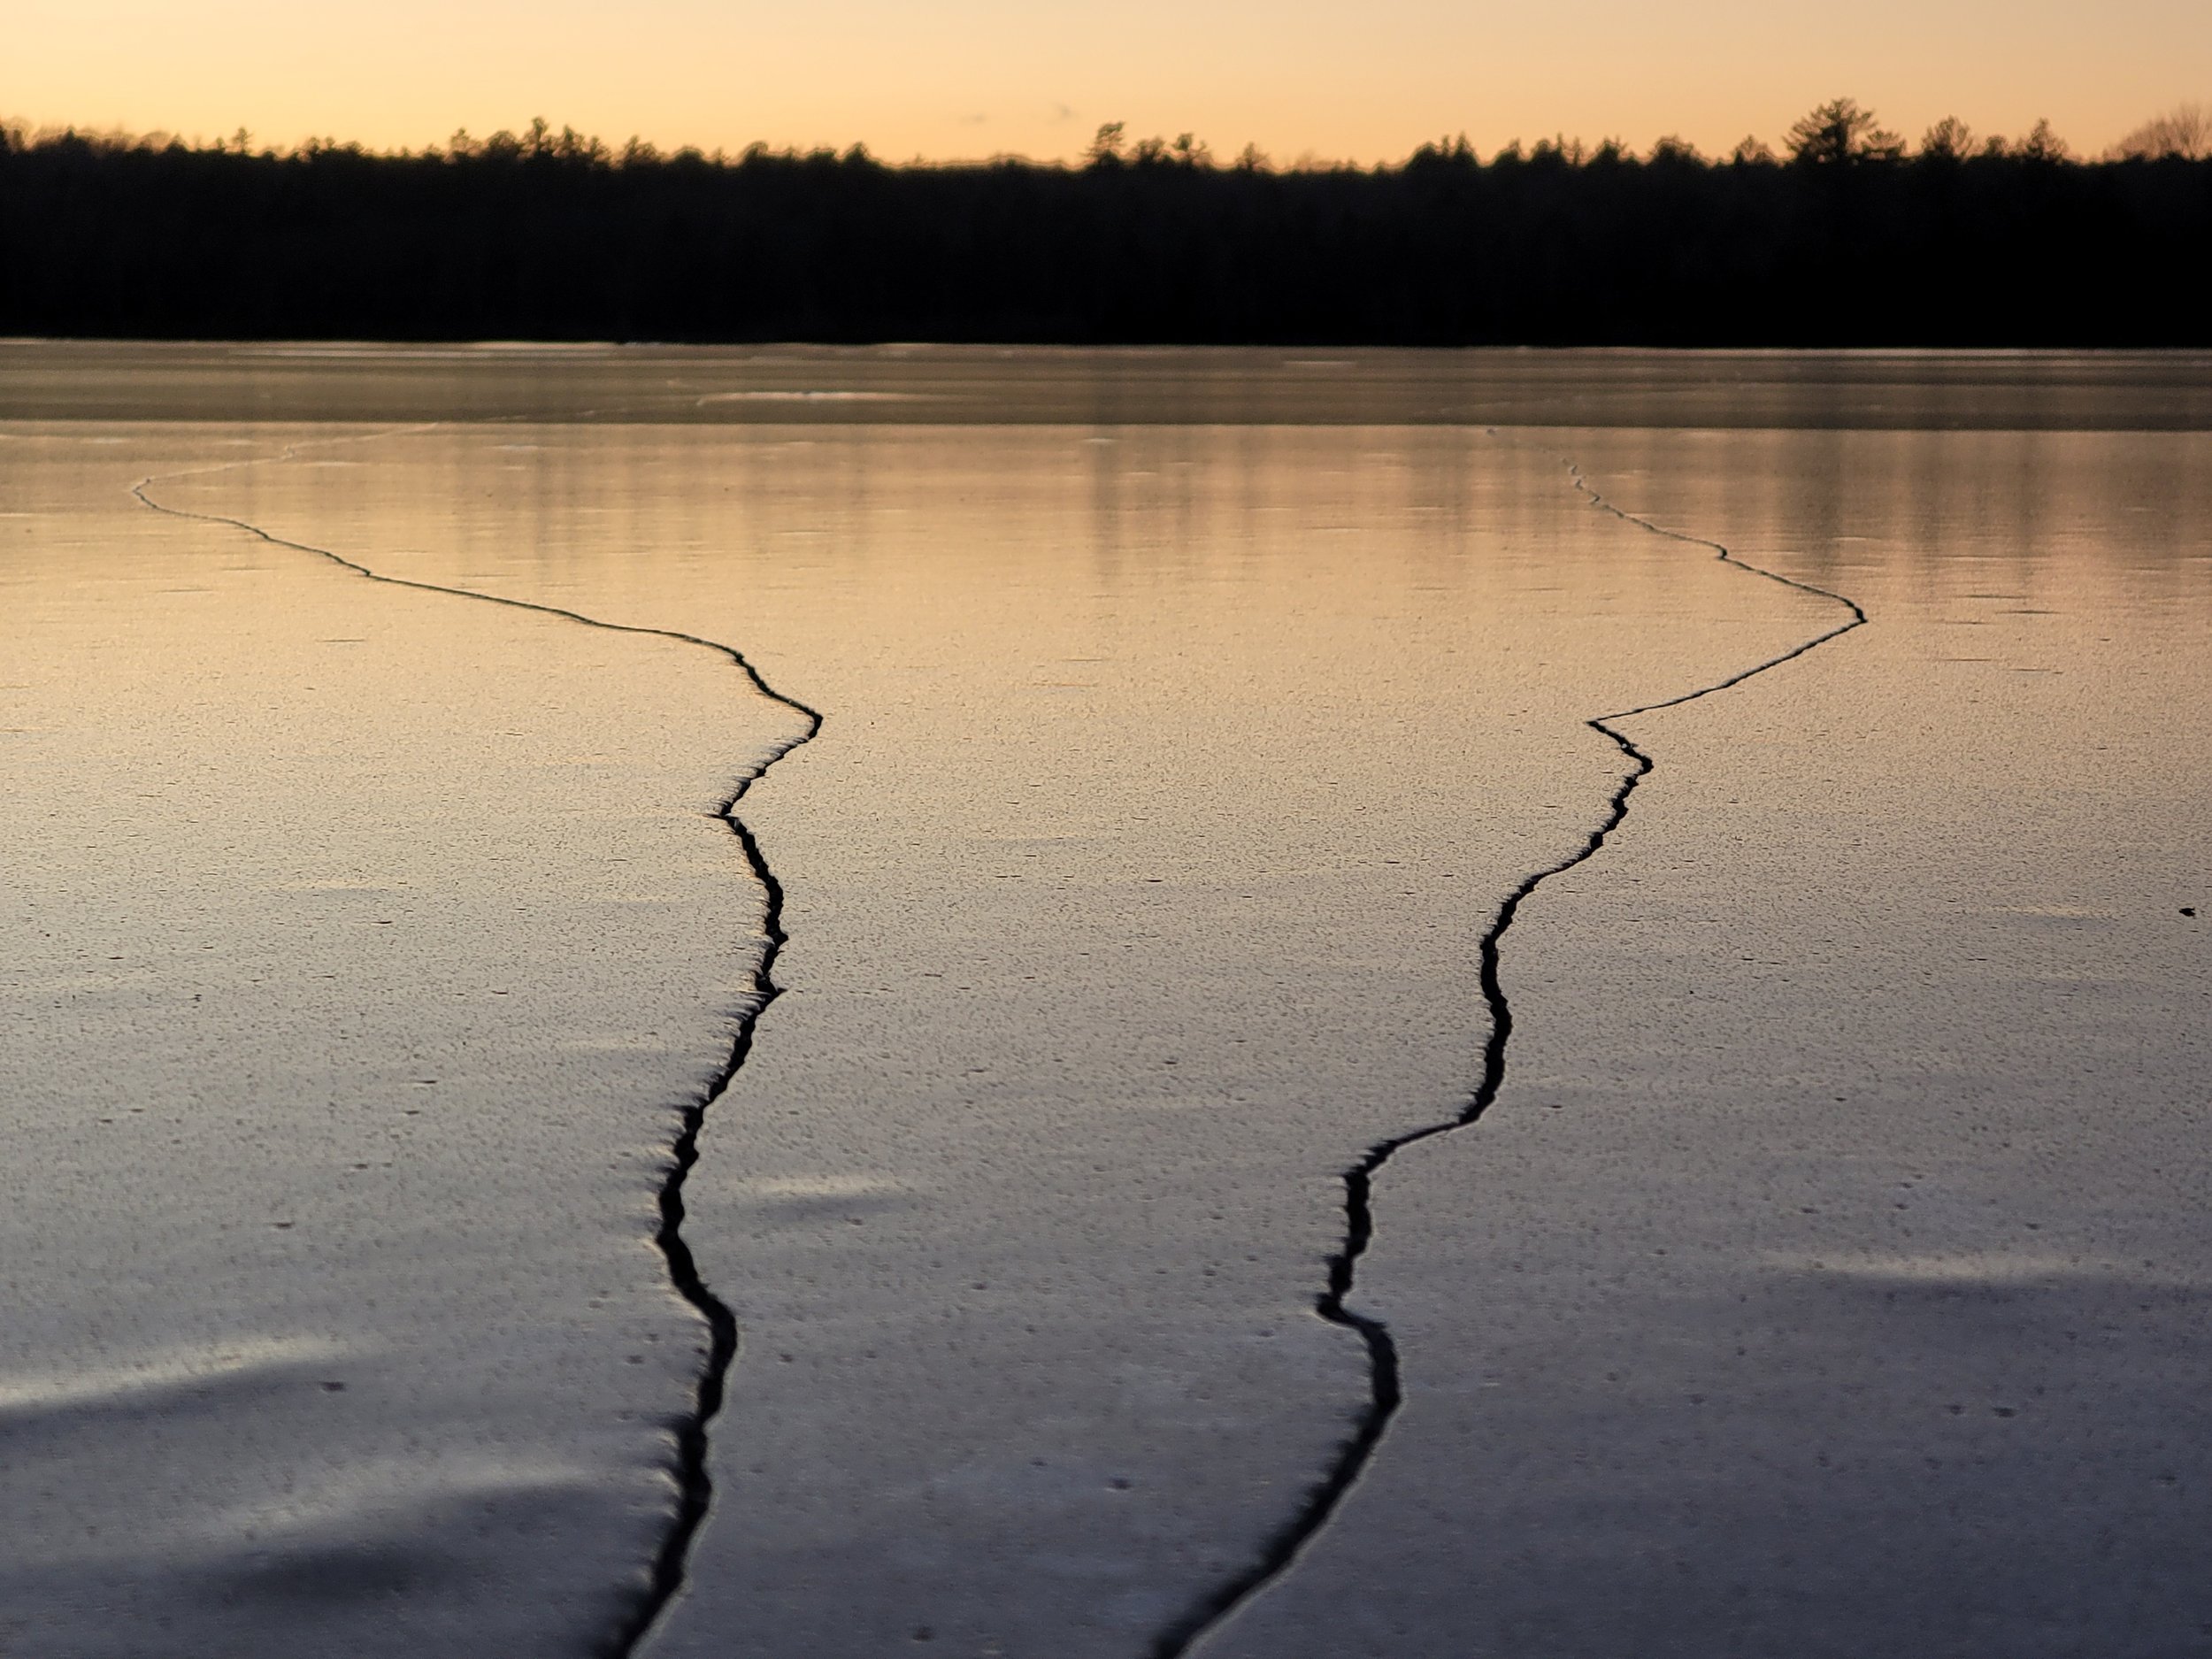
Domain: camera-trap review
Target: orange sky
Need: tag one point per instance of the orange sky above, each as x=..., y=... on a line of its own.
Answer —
x=969, y=78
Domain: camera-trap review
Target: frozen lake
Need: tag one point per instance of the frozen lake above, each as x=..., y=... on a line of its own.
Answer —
x=1833, y=1214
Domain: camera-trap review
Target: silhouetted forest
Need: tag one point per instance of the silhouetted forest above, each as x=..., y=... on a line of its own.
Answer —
x=1847, y=239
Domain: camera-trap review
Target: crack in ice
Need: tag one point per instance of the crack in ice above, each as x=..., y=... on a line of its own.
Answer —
x=694, y=1484
x=1385, y=1391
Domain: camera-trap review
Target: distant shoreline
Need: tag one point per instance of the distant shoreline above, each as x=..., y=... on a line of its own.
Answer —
x=555, y=239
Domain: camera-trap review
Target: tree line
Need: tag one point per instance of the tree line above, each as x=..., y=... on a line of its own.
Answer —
x=1847, y=237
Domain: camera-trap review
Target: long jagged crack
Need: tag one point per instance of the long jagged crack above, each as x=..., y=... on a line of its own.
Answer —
x=1386, y=1393
x=694, y=1484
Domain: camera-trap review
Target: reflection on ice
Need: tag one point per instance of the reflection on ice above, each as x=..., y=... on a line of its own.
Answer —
x=151, y=1382
x=1099, y=975
x=1994, y=1270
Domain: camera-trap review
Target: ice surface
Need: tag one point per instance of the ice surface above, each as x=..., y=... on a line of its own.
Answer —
x=1171, y=773
x=361, y=946
x=1834, y=1273
x=1170, y=777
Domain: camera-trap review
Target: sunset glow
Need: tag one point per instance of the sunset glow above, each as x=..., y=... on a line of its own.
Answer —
x=985, y=77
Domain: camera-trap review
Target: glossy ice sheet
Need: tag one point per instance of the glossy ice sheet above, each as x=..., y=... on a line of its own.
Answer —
x=1834, y=1273
x=997, y=386
x=361, y=945
x=1169, y=777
